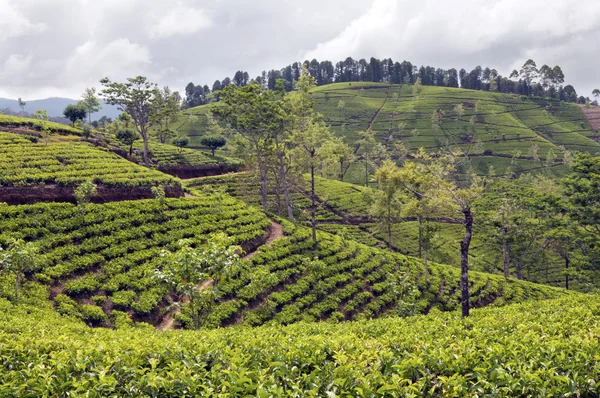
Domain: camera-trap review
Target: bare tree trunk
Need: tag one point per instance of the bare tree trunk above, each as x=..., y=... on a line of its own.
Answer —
x=389, y=224
x=146, y=150
x=505, y=255
x=366, y=171
x=567, y=263
x=426, y=262
x=17, y=281
x=286, y=192
x=263, y=178
x=420, y=219
x=464, y=261
x=341, y=170
x=519, y=270
x=313, y=207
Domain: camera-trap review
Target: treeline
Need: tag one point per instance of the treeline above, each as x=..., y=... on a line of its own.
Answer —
x=529, y=80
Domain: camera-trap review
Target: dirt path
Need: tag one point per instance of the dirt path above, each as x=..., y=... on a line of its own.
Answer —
x=275, y=232
x=169, y=319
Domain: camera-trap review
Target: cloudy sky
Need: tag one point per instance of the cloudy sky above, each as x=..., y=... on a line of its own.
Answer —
x=58, y=47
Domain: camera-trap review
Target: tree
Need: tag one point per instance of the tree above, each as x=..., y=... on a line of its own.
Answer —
x=417, y=184
x=340, y=153
x=22, y=105
x=40, y=114
x=91, y=102
x=309, y=135
x=140, y=99
x=128, y=137
x=158, y=192
x=368, y=144
x=84, y=193
x=213, y=143
x=168, y=107
x=180, y=142
x=387, y=203
x=75, y=112
x=195, y=273
x=596, y=94
x=18, y=258
x=253, y=113
x=459, y=197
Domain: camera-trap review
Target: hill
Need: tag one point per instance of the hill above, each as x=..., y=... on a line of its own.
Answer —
x=499, y=130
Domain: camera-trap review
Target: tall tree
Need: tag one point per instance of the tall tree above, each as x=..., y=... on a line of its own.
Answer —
x=460, y=196
x=387, y=203
x=140, y=99
x=168, y=107
x=309, y=135
x=252, y=112
x=91, y=102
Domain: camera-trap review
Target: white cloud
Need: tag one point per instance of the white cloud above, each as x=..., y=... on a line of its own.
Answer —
x=180, y=20
x=464, y=33
x=14, y=24
x=15, y=66
x=116, y=59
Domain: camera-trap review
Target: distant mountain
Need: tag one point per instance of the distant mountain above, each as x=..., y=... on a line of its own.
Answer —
x=55, y=107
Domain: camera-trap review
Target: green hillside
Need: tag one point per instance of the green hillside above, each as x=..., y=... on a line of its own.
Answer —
x=496, y=129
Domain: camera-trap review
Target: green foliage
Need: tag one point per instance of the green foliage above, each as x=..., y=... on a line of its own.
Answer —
x=213, y=142
x=128, y=137
x=75, y=112
x=84, y=193
x=40, y=114
x=17, y=259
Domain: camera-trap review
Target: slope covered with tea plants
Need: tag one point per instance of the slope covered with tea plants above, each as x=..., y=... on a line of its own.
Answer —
x=35, y=126
x=537, y=349
x=104, y=259
x=188, y=163
x=68, y=164
x=337, y=279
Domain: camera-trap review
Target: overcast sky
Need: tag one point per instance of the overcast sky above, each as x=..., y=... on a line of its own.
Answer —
x=58, y=47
